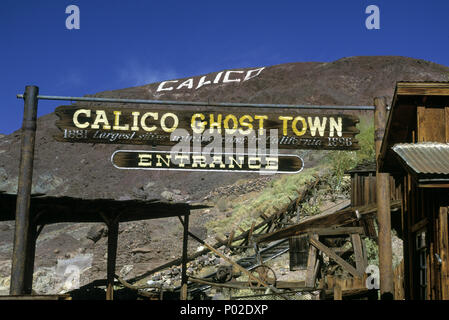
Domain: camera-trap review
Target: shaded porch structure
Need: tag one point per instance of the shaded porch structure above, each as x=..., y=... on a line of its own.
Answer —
x=46, y=210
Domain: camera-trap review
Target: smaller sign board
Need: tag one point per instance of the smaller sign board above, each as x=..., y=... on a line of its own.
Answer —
x=191, y=161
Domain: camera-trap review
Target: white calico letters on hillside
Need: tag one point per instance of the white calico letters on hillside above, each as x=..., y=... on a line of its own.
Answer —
x=221, y=77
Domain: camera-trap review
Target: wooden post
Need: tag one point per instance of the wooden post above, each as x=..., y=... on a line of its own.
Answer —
x=312, y=264
x=338, y=294
x=331, y=254
x=31, y=252
x=444, y=252
x=183, y=295
x=112, y=254
x=22, y=243
x=383, y=205
x=358, y=252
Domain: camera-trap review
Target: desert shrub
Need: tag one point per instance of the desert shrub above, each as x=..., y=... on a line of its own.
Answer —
x=279, y=193
x=222, y=204
x=310, y=209
x=372, y=251
x=366, y=140
x=341, y=161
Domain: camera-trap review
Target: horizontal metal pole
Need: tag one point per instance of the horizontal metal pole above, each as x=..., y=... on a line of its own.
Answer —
x=199, y=103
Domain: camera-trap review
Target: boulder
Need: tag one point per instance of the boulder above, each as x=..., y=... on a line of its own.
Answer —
x=96, y=232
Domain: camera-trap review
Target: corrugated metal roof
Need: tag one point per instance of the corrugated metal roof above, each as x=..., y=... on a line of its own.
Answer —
x=425, y=157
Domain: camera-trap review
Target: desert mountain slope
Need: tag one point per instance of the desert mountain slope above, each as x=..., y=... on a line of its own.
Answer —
x=85, y=170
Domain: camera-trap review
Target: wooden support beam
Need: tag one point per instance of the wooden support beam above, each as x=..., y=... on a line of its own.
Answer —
x=231, y=238
x=383, y=204
x=370, y=229
x=250, y=234
x=365, y=253
x=113, y=226
x=336, y=231
x=419, y=225
x=21, y=256
x=338, y=294
x=444, y=252
x=312, y=261
x=31, y=253
x=183, y=295
x=346, y=266
x=399, y=281
x=257, y=253
x=358, y=252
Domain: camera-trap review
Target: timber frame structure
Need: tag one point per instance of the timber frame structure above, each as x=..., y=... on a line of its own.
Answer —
x=46, y=210
x=415, y=151
x=24, y=208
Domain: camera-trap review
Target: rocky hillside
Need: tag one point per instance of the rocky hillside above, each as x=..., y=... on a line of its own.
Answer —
x=85, y=170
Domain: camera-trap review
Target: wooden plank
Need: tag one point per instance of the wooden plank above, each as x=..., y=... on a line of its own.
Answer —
x=366, y=195
x=399, y=281
x=446, y=117
x=241, y=229
x=370, y=229
x=444, y=252
x=433, y=185
x=111, y=258
x=365, y=253
x=358, y=252
x=298, y=252
x=149, y=126
x=430, y=289
x=291, y=284
x=231, y=238
x=185, y=223
x=431, y=124
x=421, y=89
x=338, y=292
x=251, y=230
x=419, y=225
x=410, y=243
x=336, y=231
x=346, y=266
x=335, y=218
x=312, y=261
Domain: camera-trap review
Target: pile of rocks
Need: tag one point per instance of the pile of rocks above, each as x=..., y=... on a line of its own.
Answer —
x=240, y=188
x=170, y=278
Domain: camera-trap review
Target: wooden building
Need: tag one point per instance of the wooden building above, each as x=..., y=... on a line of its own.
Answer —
x=363, y=193
x=363, y=185
x=415, y=151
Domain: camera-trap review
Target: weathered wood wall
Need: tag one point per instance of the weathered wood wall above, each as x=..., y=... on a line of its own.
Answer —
x=426, y=210
x=363, y=189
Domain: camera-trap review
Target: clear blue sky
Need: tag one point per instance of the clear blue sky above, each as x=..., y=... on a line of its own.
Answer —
x=127, y=43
